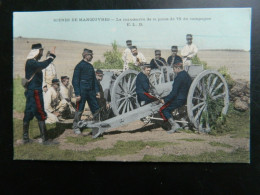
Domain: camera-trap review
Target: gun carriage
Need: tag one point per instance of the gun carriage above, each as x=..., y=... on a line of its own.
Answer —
x=208, y=90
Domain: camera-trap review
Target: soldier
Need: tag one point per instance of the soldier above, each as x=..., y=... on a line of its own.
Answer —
x=158, y=61
x=34, y=97
x=49, y=73
x=102, y=101
x=66, y=92
x=127, y=55
x=174, y=58
x=55, y=107
x=177, y=97
x=138, y=58
x=188, y=51
x=143, y=86
x=85, y=86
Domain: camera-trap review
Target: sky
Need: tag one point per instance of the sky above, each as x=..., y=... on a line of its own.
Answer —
x=221, y=28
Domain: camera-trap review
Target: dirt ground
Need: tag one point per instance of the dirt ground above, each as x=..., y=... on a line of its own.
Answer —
x=136, y=131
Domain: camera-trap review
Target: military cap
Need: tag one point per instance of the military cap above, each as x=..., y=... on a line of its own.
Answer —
x=64, y=77
x=174, y=47
x=133, y=47
x=128, y=42
x=37, y=46
x=55, y=81
x=98, y=71
x=189, y=36
x=87, y=51
x=157, y=52
x=146, y=66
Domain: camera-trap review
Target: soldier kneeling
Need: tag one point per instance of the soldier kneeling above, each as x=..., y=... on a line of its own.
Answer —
x=177, y=97
x=55, y=107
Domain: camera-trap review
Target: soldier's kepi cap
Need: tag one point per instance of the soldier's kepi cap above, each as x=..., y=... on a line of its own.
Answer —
x=157, y=52
x=98, y=71
x=189, y=36
x=129, y=42
x=146, y=66
x=55, y=81
x=87, y=51
x=37, y=46
x=174, y=47
x=64, y=77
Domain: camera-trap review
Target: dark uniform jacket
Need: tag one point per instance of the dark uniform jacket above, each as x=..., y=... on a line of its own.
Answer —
x=160, y=62
x=31, y=67
x=142, y=84
x=176, y=59
x=84, y=78
x=180, y=87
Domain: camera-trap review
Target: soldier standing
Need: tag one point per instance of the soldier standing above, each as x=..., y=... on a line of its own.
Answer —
x=127, y=55
x=158, y=61
x=49, y=73
x=34, y=97
x=85, y=86
x=174, y=58
x=177, y=97
x=188, y=51
x=143, y=86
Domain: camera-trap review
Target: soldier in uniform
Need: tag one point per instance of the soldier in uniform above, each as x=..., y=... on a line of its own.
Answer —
x=158, y=61
x=177, y=97
x=188, y=51
x=143, y=86
x=85, y=86
x=174, y=58
x=34, y=97
x=49, y=73
x=67, y=93
x=56, y=107
x=102, y=101
x=127, y=55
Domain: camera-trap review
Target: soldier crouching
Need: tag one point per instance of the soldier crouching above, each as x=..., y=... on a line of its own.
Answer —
x=85, y=86
x=56, y=107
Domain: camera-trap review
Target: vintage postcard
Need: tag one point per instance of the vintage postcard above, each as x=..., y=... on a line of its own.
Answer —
x=169, y=85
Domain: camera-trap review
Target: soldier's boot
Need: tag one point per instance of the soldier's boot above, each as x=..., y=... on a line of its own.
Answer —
x=174, y=126
x=43, y=140
x=26, y=133
x=77, y=118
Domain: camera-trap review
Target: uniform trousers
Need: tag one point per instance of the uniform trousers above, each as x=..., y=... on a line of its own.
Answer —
x=166, y=110
x=34, y=106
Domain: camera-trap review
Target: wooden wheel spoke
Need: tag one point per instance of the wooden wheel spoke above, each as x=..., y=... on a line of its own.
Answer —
x=121, y=87
x=213, y=84
x=218, y=96
x=120, y=94
x=199, y=112
x=198, y=105
x=218, y=87
x=131, y=106
x=209, y=81
x=129, y=82
x=132, y=86
x=128, y=106
x=120, y=99
x=197, y=98
x=119, y=108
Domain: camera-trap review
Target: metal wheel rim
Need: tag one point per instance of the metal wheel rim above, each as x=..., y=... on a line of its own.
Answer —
x=211, y=88
x=129, y=98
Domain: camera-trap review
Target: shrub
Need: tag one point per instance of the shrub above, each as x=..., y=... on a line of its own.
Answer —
x=196, y=60
x=113, y=59
x=224, y=71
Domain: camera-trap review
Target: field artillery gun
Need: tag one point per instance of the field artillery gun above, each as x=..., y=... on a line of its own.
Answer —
x=208, y=99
